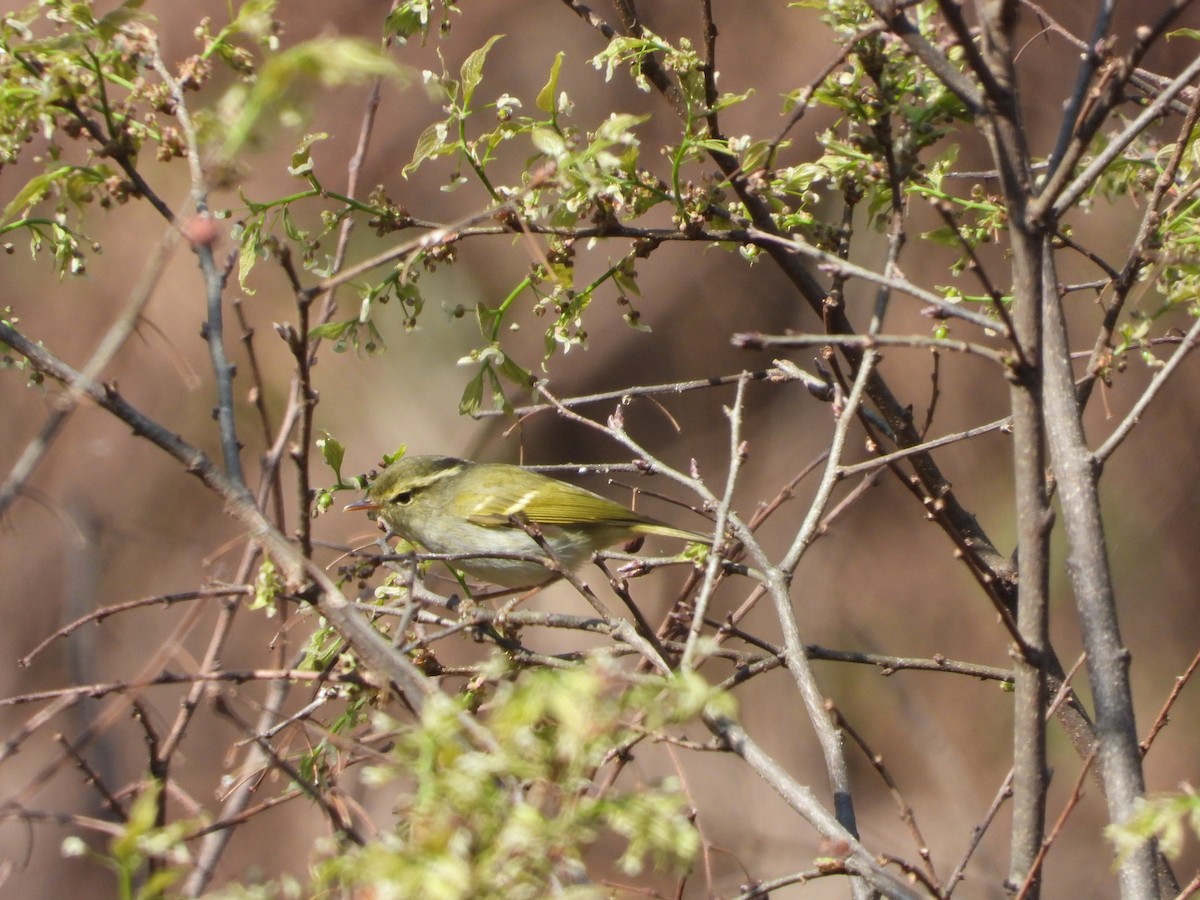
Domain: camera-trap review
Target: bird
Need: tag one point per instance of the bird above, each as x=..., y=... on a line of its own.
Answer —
x=486, y=513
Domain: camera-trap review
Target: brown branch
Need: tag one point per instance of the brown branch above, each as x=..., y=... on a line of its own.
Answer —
x=374, y=651
x=105, y=612
x=907, y=816
x=1163, y=717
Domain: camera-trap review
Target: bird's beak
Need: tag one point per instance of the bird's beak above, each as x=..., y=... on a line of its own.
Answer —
x=364, y=503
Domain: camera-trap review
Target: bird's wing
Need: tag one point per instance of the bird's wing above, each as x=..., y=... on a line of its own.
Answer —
x=569, y=506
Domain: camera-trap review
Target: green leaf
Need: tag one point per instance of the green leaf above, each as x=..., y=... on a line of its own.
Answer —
x=625, y=277
x=331, y=331
x=35, y=189
x=110, y=25
x=489, y=320
x=254, y=17
x=407, y=19
x=546, y=101
x=389, y=458
x=548, y=142
x=290, y=228
x=267, y=586
x=1165, y=818
x=325, y=62
x=515, y=373
x=249, y=254
x=499, y=400
x=143, y=813
x=727, y=100
x=471, y=72
x=944, y=235
x=302, y=163
x=429, y=144
x=472, y=398
x=333, y=453
x=715, y=146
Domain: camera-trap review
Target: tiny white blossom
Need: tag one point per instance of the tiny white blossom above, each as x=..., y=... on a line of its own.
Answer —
x=505, y=102
x=740, y=144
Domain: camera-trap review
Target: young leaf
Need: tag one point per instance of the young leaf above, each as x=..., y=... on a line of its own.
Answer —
x=333, y=453
x=429, y=144
x=249, y=253
x=302, y=163
x=472, y=398
x=545, y=98
x=548, y=141
x=471, y=72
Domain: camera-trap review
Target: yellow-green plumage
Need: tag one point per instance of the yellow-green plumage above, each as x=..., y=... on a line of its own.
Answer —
x=456, y=506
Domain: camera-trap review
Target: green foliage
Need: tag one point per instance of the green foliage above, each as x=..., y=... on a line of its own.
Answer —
x=892, y=111
x=267, y=587
x=1175, y=241
x=493, y=365
x=94, y=89
x=79, y=85
x=287, y=78
x=83, y=84
x=573, y=175
x=414, y=17
x=44, y=77
x=1167, y=819
x=511, y=814
x=450, y=136
x=141, y=841
x=333, y=454
x=1178, y=238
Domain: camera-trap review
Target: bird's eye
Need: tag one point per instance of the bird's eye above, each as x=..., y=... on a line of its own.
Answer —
x=403, y=498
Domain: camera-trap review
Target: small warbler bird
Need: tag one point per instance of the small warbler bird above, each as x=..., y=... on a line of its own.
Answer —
x=456, y=506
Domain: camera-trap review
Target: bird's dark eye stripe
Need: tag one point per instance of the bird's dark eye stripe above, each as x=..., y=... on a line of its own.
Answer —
x=403, y=498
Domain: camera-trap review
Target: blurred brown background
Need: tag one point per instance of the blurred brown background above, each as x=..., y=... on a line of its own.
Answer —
x=111, y=519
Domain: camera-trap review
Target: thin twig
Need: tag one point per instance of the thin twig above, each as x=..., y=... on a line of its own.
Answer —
x=1160, y=721
x=108, y=347
x=829, y=262
x=1122, y=431
x=214, y=285
x=103, y=613
x=756, y=341
x=376, y=654
x=907, y=816
x=675, y=387
x=712, y=566
x=1154, y=221
x=1029, y=885
x=1056, y=205
x=801, y=798
x=318, y=794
